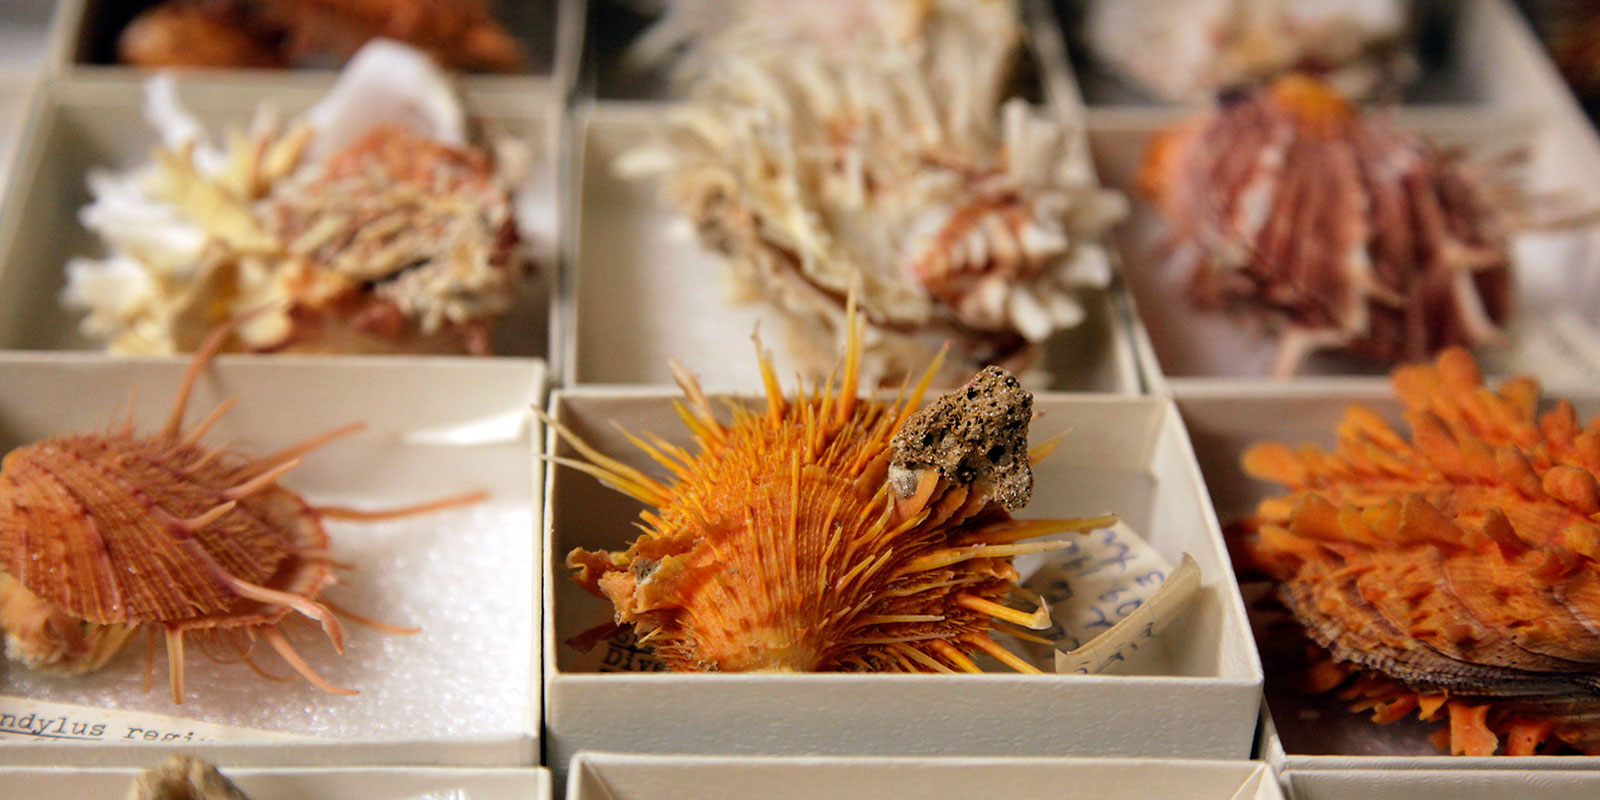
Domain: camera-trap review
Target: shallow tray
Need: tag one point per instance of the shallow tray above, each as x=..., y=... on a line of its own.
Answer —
x=85, y=125
x=613, y=776
x=1195, y=694
x=464, y=690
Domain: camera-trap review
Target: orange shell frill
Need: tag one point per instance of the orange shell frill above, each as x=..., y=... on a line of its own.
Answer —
x=1453, y=569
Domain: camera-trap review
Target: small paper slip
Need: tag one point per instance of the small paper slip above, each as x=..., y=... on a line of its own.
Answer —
x=1107, y=593
x=1146, y=622
x=22, y=719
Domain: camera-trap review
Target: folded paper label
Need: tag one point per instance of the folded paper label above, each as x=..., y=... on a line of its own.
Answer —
x=1109, y=592
x=22, y=719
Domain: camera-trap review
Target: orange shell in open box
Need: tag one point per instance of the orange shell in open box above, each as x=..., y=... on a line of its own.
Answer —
x=103, y=536
x=828, y=532
x=1457, y=569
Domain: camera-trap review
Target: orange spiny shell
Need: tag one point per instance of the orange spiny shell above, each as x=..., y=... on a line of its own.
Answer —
x=106, y=514
x=829, y=533
x=102, y=536
x=1461, y=563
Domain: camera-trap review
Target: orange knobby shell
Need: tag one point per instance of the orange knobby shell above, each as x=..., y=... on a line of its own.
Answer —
x=102, y=535
x=807, y=535
x=1461, y=563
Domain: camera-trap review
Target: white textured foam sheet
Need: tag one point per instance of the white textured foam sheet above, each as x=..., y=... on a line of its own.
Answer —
x=465, y=576
x=462, y=576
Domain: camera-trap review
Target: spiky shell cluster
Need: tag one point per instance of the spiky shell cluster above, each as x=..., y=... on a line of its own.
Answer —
x=890, y=162
x=827, y=533
x=1191, y=49
x=369, y=224
x=1457, y=569
x=1340, y=229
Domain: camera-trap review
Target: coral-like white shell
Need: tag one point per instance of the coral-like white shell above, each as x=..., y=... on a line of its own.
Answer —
x=890, y=163
x=211, y=231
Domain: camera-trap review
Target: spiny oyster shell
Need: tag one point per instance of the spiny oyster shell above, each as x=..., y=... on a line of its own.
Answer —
x=1189, y=49
x=1455, y=569
x=1342, y=229
x=368, y=224
x=889, y=163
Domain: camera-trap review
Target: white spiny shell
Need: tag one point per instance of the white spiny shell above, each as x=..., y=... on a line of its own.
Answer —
x=269, y=222
x=889, y=162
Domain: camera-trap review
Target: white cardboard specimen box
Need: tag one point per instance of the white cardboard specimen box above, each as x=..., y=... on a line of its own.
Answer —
x=647, y=291
x=1301, y=732
x=16, y=97
x=1195, y=693
x=614, y=776
x=81, y=126
x=27, y=34
x=1434, y=784
x=330, y=783
x=643, y=289
x=462, y=691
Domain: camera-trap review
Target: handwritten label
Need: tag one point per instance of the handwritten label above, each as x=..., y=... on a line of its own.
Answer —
x=1144, y=623
x=22, y=719
x=1094, y=587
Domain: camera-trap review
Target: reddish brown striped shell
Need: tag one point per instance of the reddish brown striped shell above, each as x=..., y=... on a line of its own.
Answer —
x=1340, y=229
x=94, y=526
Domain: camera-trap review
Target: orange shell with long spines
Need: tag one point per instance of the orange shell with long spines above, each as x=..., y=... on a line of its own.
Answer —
x=109, y=513
x=1462, y=562
x=781, y=545
x=102, y=536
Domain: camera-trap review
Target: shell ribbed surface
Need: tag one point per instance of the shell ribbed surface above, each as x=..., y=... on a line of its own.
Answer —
x=773, y=553
x=1341, y=228
x=92, y=525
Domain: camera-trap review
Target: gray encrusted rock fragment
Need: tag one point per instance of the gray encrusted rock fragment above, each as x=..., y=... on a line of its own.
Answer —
x=976, y=435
